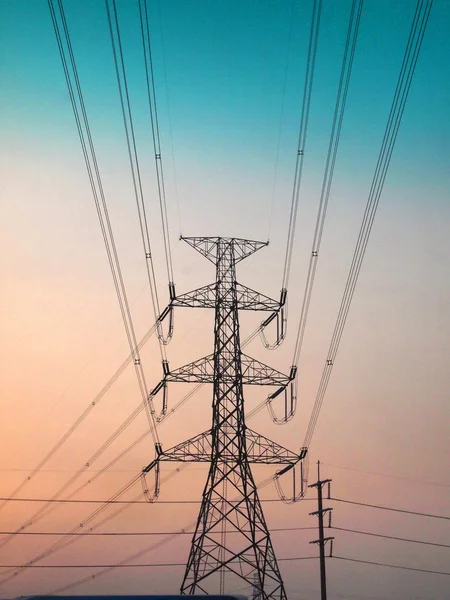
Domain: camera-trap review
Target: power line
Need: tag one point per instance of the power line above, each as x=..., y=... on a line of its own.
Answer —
x=108, y=502
x=90, y=407
x=151, y=94
x=413, y=480
x=338, y=118
x=108, y=237
x=84, y=132
x=378, y=564
x=169, y=117
x=55, y=499
x=122, y=84
x=392, y=537
x=72, y=537
x=67, y=539
x=306, y=103
x=398, y=510
x=53, y=504
x=283, y=97
x=134, y=556
x=407, y=69
x=123, y=566
x=136, y=533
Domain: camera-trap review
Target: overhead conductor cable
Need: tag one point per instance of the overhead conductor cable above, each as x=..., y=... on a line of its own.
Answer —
x=341, y=97
x=280, y=315
x=125, y=103
x=408, y=66
x=84, y=132
x=122, y=83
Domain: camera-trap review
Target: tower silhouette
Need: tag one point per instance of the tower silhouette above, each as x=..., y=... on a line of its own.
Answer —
x=231, y=535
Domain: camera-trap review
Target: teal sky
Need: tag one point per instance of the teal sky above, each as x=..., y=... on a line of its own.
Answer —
x=229, y=78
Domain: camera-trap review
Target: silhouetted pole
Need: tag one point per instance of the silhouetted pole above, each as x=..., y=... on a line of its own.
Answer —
x=322, y=539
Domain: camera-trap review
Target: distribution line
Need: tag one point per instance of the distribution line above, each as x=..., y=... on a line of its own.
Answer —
x=43, y=511
x=378, y=564
x=390, y=508
x=409, y=62
x=140, y=533
x=72, y=537
x=56, y=498
x=94, y=402
x=138, y=554
x=122, y=566
x=391, y=537
x=69, y=536
x=110, y=502
x=105, y=504
x=399, y=477
x=87, y=145
x=36, y=517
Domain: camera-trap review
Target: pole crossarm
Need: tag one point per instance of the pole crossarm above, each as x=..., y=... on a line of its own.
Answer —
x=260, y=449
x=254, y=372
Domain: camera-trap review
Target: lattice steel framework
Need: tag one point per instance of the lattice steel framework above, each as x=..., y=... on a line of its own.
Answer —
x=231, y=534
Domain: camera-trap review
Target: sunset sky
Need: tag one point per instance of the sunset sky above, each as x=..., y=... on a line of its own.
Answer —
x=229, y=78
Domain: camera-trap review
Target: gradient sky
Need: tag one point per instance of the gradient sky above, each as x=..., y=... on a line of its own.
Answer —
x=229, y=77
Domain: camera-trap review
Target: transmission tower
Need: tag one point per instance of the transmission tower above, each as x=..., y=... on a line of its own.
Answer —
x=231, y=538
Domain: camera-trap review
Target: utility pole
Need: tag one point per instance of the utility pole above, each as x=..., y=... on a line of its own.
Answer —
x=322, y=539
x=231, y=535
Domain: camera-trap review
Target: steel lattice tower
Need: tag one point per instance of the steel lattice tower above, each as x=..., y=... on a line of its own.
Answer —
x=231, y=534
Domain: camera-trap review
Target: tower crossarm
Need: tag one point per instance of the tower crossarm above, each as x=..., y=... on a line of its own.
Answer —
x=199, y=371
x=208, y=246
x=248, y=299
x=261, y=449
x=196, y=449
x=255, y=372
x=203, y=297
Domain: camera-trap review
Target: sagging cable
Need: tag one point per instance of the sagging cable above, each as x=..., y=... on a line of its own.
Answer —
x=290, y=399
x=153, y=466
x=281, y=324
x=167, y=312
x=299, y=482
x=162, y=385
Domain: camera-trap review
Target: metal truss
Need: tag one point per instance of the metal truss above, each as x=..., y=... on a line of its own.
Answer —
x=260, y=449
x=247, y=299
x=231, y=538
x=254, y=372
